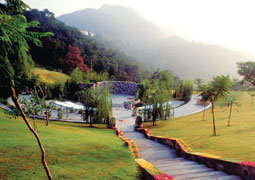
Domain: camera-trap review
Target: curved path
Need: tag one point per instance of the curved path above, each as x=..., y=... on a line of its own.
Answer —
x=162, y=156
x=126, y=122
x=189, y=108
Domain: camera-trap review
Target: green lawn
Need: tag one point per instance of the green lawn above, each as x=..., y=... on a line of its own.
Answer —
x=74, y=151
x=236, y=142
x=47, y=76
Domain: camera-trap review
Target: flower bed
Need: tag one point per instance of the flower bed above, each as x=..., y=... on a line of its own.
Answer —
x=245, y=170
x=131, y=144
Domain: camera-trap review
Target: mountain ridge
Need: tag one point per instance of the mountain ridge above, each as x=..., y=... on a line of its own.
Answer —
x=125, y=29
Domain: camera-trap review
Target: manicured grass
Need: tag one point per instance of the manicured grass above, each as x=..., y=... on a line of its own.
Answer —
x=74, y=151
x=236, y=142
x=51, y=77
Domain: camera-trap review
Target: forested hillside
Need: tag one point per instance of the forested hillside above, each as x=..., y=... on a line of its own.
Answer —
x=69, y=48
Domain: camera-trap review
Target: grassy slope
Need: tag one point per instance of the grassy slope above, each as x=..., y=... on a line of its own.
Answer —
x=50, y=76
x=74, y=151
x=236, y=142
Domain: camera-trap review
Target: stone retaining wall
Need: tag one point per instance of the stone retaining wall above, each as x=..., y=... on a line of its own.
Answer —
x=120, y=87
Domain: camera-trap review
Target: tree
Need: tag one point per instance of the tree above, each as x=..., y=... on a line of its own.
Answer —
x=204, y=90
x=252, y=94
x=104, y=105
x=72, y=85
x=143, y=91
x=198, y=82
x=16, y=62
x=155, y=94
x=159, y=95
x=247, y=69
x=73, y=59
x=89, y=98
x=217, y=88
x=166, y=79
x=35, y=105
x=184, y=90
x=230, y=100
x=98, y=104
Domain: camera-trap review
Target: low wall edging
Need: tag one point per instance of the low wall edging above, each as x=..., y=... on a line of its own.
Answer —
x=246, y=170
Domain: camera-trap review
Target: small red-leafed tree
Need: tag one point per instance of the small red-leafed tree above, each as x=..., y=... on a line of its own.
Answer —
x=73, y=59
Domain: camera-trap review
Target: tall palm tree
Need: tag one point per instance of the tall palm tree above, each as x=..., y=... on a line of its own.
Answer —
x=217, y=88
x=198, y=82
x=15, y=60
x=204, y=90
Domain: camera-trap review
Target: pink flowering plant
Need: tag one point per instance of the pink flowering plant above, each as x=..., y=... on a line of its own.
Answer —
x=163, y=176
x=247, y=163
x=150, y=168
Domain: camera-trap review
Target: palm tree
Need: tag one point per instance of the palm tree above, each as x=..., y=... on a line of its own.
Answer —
x=198, y=82
x=204, y=89
x=217, y=88
x=252, y=94
x=230, y=100
x=15, y=60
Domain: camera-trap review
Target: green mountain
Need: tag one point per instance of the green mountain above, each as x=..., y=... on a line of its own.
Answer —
x=52, y=54
x=125, y=29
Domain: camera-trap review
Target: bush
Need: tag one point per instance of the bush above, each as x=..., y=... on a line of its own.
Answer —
x=49, y=114
x=184, y=90
x=138, y=121
x=60, y=115
x=72, y=85
x=55, y=91
x=112, y=122
x=4, y=101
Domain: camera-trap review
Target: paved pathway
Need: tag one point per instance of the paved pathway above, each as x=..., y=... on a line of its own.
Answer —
x=124, y=119
x=189, y=108
x=162, y=156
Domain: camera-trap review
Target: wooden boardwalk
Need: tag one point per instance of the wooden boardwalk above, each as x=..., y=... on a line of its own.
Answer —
x=168, y=162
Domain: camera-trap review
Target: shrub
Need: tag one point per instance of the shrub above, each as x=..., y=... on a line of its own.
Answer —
x=138, y=121
x=184, y=90
x=4, y=101
x=55, y=91
x=49, y=114
x=112, y=122
x=60, y=115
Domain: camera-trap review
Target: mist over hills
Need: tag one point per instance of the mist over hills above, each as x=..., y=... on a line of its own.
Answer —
x=125, y=29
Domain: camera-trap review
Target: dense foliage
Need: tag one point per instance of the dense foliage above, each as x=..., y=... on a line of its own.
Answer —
x=247, y=70
x=98, y=105
x=16, y=62
x=160, y=89
x=54, y=53
x=72, y=86
x=73, y=59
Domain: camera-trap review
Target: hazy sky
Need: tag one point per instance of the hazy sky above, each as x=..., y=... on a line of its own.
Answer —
x=230, y=23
